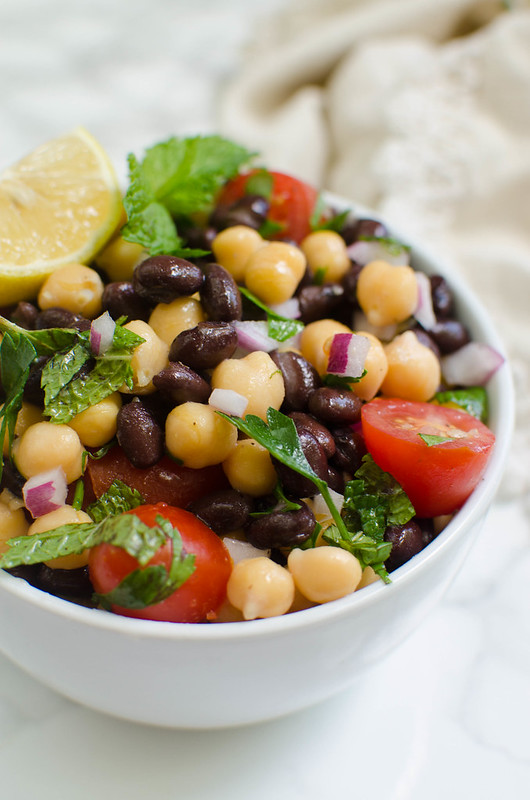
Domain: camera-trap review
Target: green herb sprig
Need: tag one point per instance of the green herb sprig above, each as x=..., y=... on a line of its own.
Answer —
x=279, y=328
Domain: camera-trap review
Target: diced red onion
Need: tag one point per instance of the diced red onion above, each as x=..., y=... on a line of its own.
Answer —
x=239, y=549
x=371, y=250
x=228, y=401
x=347, y=354
x=424, y=312
x=290, y=309
x=383, y=332
x=45, y=492
x=471, y=365
x=254, y=335
x=102, y=333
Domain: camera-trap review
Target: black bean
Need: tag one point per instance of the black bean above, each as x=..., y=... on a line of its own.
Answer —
x=139, y=434
x=292, y=481
x=281, y=528
x=335, y=406
x=180, y=384
x=61, y=318
x=223, y=511
x=205, y=345
x=424, y=338
x=33, y=391
x=320, y=432
x=250, y=210
x=74, y=583
x=349, y=449
x=25, y=315
x=200, y=238
x=449, y=335
x=220, y=295
x=12, y=479
x=319, y=301
x=335, y=479
x=406, y=540
x=161, y=279
x=349, y=283
x=299, y=376
x=355, y=229
x=120, y=300
x=442, y=296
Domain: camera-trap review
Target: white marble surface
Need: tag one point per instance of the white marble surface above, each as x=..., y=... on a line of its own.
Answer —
x=448, y=714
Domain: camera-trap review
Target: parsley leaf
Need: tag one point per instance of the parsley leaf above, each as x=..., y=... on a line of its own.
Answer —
x=369, y=551
x=279, y=328
x=473, y=399
x=177, y=178
x=261, y=183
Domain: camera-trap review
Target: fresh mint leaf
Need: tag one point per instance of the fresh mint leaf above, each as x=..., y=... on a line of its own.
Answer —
x=116, y=500
x=335, y=223
x=126, y=531
x=431, y=440
x=340, y=381
x=279, y=328
x=270, y=228
x=474, y=400
x=261, y=183
x=154, y=583
x=111, y=371
x=388, y=243
x=60, y=370
x=46, y=341
x=16, y=356
x=177, y=178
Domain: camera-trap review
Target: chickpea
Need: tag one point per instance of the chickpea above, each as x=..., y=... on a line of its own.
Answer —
x=169, y=319
x=97, y=424
x=369, y=577
x=233, y=247
x=45, y=446
x=413, y=370
x=260, y=588
x=198, y=436
x=147, y=359
x=315, y=341
x=256, y=377
x=66, y=515
x=119, y=258
x=387, y=293
x=75, y=287
x=12, y=523
x=273, y=272
x=376, y=368
x=324, y=573
x=326, y=252
x=28, y=415
x=249, y=468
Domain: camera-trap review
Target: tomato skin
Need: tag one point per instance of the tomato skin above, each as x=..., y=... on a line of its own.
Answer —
x=166, y=481
x=439, y=478
x=199, y=597
x=291, y=203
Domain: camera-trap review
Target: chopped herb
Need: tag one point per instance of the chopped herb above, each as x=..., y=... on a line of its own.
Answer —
x=431, y=440
x=319, y=276
x=261, y=183
x=392, y=246
x=154, y=583
x=279, y=328
x=270, y=228
x=340, y=381
x=474, y=400
x=16, y=356
x=282, y=504
x=118, y=498
x=79, y=495
x=178, y=178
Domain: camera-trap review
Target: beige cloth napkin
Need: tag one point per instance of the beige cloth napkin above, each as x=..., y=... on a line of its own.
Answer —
x=419, y=109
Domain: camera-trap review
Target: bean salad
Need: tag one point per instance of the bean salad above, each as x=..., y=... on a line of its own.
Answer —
x=264, y=415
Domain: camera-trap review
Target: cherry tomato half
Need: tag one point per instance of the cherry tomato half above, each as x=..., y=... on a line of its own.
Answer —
x=166, y=481
x=291, y=202
x=199, y=597
x=438, y=477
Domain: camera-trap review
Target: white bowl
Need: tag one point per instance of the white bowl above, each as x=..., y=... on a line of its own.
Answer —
x=211, y=676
